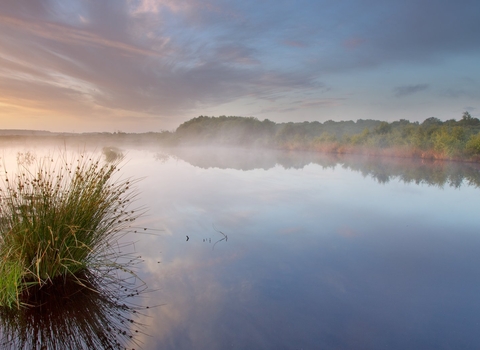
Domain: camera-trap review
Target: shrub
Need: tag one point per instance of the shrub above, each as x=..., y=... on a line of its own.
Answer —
x=449, y=141
x=473, y=145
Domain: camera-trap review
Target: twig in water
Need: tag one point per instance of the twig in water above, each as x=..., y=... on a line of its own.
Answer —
x=225, y=237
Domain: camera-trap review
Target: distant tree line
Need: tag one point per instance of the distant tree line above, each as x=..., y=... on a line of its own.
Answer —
x=433, y=138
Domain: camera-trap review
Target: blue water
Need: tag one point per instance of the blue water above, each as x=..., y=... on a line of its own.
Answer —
x=316, y=256
x=302, y=251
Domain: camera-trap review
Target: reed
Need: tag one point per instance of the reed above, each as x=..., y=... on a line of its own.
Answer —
x=59, y=218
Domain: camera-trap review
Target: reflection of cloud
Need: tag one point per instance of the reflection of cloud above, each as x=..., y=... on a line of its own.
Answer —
x=347, y=232
x=191, y=296
x=406, y=90
x=334, y=280
x=290, y=230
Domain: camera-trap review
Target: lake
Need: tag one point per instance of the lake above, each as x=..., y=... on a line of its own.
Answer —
x=249, y=249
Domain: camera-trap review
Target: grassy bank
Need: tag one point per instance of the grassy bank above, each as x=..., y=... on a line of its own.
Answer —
x=58, y=217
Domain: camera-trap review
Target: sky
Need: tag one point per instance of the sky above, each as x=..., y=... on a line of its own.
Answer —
x=150, y=65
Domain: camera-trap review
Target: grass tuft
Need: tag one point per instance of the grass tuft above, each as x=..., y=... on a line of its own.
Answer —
x=59, y=218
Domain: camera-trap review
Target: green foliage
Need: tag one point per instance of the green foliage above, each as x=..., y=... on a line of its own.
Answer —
x=326, y=137
x=449, y=140
x=58, y=219
x=383, y=128
x=473, y=145
x=232, y=131
x=360, y=139
x=468, y=120
x=431, y=139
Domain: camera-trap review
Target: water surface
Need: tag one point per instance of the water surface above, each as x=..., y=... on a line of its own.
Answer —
x=319, y=253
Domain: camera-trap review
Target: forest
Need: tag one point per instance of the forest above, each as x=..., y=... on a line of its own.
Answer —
x=430, y=139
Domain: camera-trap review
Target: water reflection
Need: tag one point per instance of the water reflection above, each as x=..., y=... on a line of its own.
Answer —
x=382, y=169
x=94, y=311
x=317, y=257
x=225, y=238
x=112, y=154
x=436, y=173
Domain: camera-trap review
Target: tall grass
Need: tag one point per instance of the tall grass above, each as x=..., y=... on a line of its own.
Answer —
x=59, y=218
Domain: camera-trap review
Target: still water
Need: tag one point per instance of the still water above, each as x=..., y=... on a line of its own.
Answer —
x=267, y=250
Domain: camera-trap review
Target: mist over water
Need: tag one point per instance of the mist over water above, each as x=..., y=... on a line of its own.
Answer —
x=301, y=250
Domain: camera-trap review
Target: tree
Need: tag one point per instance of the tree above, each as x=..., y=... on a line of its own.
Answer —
x=468, y=120
x=383, y=128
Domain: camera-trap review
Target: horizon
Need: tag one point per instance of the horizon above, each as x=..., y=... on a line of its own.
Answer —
x=141, y=66
x=175, y=129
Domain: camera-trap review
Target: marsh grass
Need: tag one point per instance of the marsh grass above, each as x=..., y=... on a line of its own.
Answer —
x=59, y=218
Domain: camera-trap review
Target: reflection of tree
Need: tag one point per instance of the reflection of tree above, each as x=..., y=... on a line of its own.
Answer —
x=433, y=173
x=91, y=312
x=382, y=169
x=161, y=157
x=112, y=154
x=249, y=159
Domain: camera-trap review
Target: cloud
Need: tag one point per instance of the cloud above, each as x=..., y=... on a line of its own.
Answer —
x=353, y=43
x=405, y=32
x=299, y=105
x=166, y=59
x=401, y=91
x=127, y=62
x=294, y=43
x=67, y=35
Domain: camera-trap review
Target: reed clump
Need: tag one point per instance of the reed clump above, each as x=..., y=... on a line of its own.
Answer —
x=59, y=218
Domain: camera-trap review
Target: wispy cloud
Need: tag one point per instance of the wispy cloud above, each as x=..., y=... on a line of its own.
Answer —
x=68, y=35
x=405, y=90
x=167, y=60
x=300, y=105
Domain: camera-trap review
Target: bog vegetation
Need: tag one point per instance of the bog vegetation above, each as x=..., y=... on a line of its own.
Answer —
x=59, y=217
x=434, y=139
x=430, y=139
